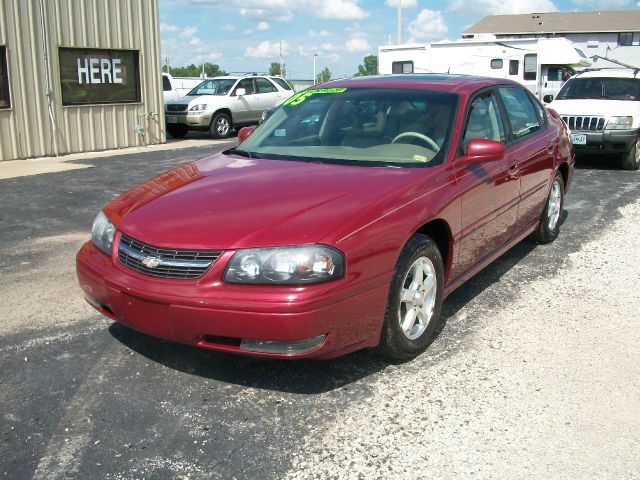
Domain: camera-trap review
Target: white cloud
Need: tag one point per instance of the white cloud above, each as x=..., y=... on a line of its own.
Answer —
x=262, y=26
x=267, y=50
x=228, y=28
x=195, y=42
x=428, y=25
x=283, y=9
x=405, y=3
x=357, y=44
x=188, y=31
x=165, y=27
x=604, y=4
x=483, y=8
x=321, y=33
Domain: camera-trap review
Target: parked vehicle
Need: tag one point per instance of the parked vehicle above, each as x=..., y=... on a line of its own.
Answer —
x=220, y=104
x=176, y=87
x=341, y=222
x=540, y=64
x=602, y=110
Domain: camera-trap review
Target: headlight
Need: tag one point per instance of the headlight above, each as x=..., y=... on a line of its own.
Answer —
x=619, y=123
x=285, y=265
x=198, y=108
x=102, y=233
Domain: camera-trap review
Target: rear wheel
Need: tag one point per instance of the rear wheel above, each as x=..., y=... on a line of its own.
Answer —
x=549, y=225
x=631, y=159
x=220, y=126
x=415, y=299
x=177, y=130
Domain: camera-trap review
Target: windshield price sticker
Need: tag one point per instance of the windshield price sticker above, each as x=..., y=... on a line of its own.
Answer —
x=300, y=97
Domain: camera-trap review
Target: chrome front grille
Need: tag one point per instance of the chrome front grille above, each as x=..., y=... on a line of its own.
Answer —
x=176, y=107
x=579, y=123
x=164, y=262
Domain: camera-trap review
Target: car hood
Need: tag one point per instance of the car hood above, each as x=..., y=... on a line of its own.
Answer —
x=225, y=202
x=593, y=107
x=191, y=98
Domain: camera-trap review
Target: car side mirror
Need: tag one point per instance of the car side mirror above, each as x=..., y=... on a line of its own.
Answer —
x=547, y=98
x=244, y=133
x=240, y=92
x=481, y=150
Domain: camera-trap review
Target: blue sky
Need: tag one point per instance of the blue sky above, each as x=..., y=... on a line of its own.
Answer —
x=247, y=35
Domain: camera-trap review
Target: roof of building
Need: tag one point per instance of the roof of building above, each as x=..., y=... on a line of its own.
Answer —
x=559, y=22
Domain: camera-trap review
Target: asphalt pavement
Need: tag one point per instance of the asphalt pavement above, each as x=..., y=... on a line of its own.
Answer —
x=83, y=397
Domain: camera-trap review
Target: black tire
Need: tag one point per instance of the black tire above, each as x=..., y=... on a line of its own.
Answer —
x=551, y=216
x=177, y=130
x=631, y=159
x=221, y=126
x=400, y=343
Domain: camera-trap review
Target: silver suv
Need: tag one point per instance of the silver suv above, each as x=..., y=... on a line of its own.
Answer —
x=220, y=104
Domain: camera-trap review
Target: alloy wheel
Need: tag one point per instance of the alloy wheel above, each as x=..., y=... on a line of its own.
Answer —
x=417, y=298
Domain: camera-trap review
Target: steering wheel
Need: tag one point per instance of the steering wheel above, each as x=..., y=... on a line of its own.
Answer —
x=430, y=143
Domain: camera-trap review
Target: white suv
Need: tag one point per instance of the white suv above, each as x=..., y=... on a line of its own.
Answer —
x=602, y=110
x=223, y=103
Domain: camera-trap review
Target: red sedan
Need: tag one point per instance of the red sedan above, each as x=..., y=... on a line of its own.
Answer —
x=341, y=222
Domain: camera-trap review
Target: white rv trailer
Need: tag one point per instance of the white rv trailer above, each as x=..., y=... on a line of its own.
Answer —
x=540, y=64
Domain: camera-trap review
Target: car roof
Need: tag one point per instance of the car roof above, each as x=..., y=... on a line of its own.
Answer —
x=426, y=81
x=610, y=72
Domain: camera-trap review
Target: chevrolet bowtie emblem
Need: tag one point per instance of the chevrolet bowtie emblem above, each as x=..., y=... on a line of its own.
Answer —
x=151, y=262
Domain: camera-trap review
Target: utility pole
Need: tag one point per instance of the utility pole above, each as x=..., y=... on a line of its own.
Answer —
x=314, y=68
x=399, y=22
x=281, y=61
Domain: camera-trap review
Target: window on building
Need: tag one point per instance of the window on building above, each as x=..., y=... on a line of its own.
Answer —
x=625, y=39
x=4, y=79
x=514, y=67
x=402, y=67
x=496, y=63
x=91, y=76
x=530, y=66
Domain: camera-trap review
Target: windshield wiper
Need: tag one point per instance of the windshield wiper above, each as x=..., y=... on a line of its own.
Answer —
x=242, y=153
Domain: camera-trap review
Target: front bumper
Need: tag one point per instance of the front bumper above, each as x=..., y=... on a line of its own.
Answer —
x=211, y=314
x=190, y=119
x=608, y=141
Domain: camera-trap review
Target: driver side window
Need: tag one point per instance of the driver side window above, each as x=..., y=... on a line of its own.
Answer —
x=484, y=119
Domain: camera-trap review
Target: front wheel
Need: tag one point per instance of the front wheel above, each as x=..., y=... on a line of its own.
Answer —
x=177, y=130
x=415, y=299
x=631, y=159
x=220, y=126
x=549, y=225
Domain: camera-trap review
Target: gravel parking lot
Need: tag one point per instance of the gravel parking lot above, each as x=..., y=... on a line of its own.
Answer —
x=535, y=372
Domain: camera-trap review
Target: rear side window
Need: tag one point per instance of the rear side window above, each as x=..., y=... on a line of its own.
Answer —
x=166, y=84
x=265, y=86
x=530, y=66
x=282, y=83
x=402, y=67
x=521, y=112
x=4, y=79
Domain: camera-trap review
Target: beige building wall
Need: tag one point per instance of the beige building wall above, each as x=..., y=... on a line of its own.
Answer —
x=38, y=124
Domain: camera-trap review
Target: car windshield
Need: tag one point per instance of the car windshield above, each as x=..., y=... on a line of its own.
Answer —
x=369, y=126
x=601, y=88
x=215, y=86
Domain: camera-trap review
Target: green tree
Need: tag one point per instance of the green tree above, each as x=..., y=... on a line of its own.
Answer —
x=369, y=67
x=323, y=76
x=275, y=69
x=210, y=69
